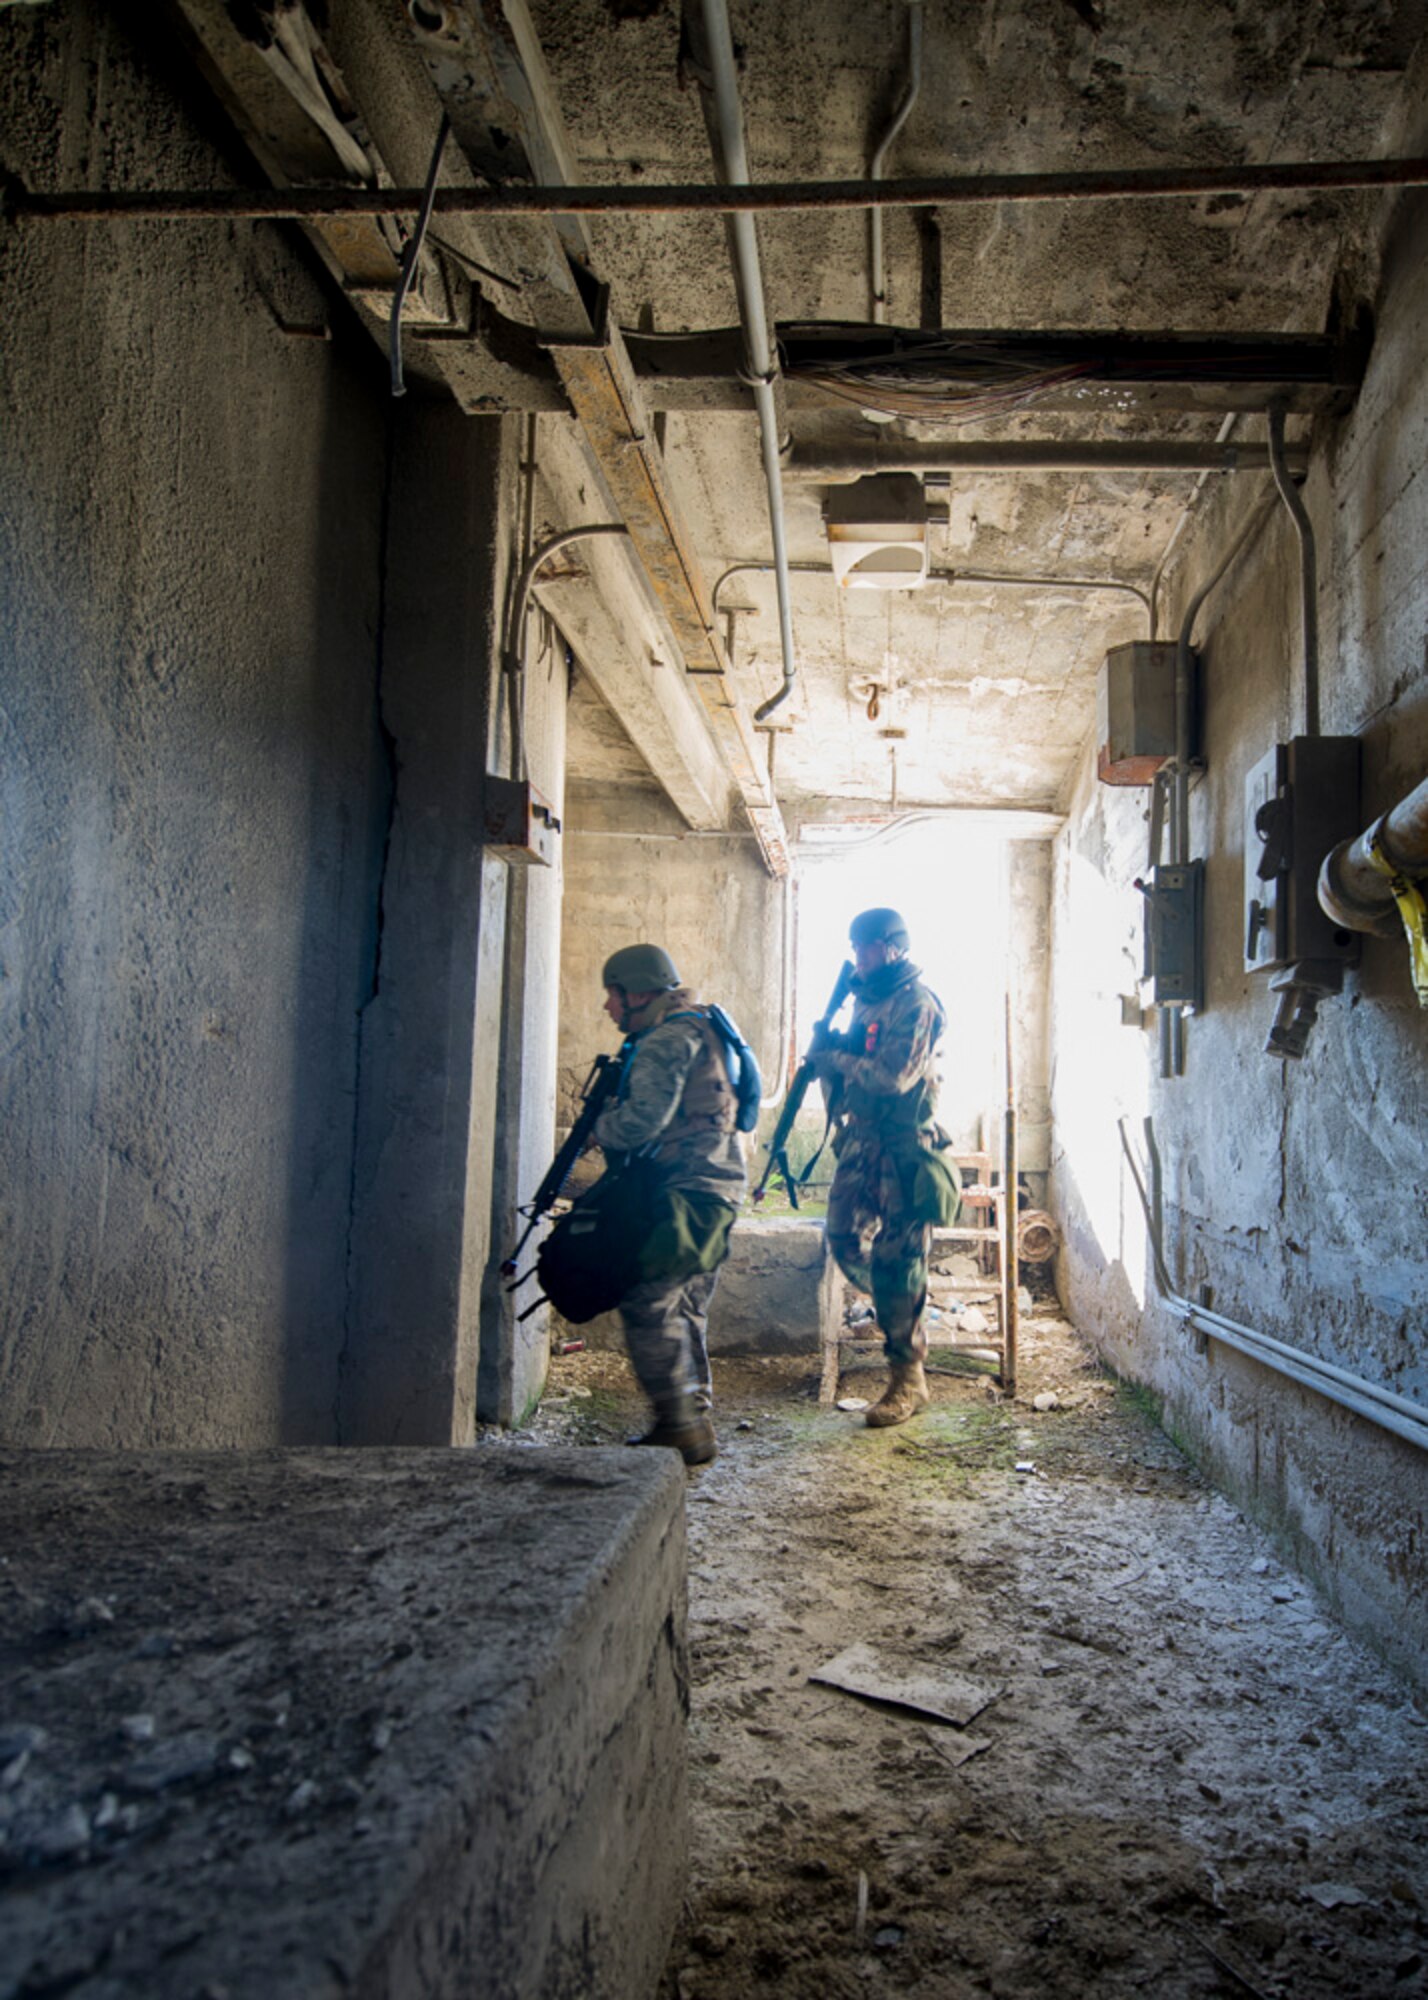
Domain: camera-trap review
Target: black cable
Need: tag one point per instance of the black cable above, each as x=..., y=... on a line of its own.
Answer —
x=409, y=258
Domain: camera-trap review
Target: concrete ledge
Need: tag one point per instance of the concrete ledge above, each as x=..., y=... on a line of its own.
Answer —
x=777, y=1289
x=322, y=1723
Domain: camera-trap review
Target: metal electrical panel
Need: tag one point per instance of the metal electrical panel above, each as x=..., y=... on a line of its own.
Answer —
x=1301, y=799
x=1174, y=935
x=518, y=824
x=1135, y=711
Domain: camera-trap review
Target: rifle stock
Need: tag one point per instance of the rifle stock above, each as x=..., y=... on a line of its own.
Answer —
x=599, y=1087
x=803, y=1078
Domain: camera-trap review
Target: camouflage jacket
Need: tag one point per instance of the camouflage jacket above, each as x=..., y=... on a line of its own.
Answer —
x=888, y=1059
x=667, y=1057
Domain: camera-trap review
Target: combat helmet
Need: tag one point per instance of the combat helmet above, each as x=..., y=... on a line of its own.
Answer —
x=879, y=927
x=640, y=968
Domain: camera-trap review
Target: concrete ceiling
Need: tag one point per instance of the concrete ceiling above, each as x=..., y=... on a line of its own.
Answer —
x=994, y=687
x=966, y=692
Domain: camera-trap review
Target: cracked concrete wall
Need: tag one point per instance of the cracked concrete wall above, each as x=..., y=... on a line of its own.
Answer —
x=267, y=1058
x=193, y=785
x=1293, y=1189
x=430, y=1097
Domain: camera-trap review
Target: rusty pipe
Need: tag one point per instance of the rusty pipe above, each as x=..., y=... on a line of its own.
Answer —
x=947, y=191
x=829, y=464
x=1352, y=891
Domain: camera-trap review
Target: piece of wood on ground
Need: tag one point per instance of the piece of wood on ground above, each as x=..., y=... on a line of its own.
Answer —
x=904, y=1683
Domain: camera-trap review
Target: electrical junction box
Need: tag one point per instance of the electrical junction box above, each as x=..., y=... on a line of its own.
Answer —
x=517, y=823
x=1174, y=936
x=877, y=532
x=1301, y=800
x=1135, y=711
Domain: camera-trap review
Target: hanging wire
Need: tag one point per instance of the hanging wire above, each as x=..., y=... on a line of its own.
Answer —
x=410, y=254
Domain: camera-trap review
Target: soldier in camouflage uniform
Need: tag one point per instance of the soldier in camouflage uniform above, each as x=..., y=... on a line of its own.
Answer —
x=889, y=1184
x=676, y=1106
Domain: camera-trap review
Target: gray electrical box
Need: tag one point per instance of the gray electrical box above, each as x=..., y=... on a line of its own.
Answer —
x=1135, y=711
x=1301, y=799
x=1174, y=936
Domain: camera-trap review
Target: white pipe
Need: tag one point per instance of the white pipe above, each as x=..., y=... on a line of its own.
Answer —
x=732, y=167
x=1384, y=1407
x=913, y=84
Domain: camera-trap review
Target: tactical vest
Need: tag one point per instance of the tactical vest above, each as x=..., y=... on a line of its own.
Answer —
x=709, y=1103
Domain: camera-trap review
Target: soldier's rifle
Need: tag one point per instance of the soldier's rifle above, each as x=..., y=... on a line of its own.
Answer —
x=599, y=1088
x=803, y=1079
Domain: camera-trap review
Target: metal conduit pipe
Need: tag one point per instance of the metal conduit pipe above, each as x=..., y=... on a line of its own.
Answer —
x=778, y=1074
x=1353, y=891
x=912, y=84
x=1384, y=1407
x=732, y=164
x=514, y=660
x=1222, y=436
x=1308, y=568
x=950, y=576
x=1180, y=789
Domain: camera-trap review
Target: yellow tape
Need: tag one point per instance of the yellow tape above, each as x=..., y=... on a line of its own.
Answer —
x=1412, y=909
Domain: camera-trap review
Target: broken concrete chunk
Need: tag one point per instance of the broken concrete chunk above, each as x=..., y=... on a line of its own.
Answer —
x=1334, y=1895
x=1047, y=1400
x=973, y=1320
x=66, y=1834
x=187, y=1758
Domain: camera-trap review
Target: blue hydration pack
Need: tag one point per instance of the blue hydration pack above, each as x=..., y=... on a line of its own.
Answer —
x=745, y=1079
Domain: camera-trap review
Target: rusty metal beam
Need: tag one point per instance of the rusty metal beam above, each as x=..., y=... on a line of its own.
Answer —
x=763, y=198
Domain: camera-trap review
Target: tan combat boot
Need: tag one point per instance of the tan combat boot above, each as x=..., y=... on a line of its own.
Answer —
x=905, y=1395
x=689, y=1432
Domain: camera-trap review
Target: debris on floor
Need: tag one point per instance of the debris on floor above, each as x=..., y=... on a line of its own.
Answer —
x=1188, y=1757
x=900, y=1682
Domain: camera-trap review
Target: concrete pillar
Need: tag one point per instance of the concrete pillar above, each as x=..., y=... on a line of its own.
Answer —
x=427, y=1099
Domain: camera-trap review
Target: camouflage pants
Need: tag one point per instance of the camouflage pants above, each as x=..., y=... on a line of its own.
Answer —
x=665, y=1331
x=878, y=1246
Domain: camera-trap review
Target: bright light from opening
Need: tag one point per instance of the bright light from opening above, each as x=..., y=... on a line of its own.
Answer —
x=1101, y=1066
x=950, y=884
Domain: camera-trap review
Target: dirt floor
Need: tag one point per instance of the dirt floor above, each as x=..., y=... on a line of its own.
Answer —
x=1176, y=1776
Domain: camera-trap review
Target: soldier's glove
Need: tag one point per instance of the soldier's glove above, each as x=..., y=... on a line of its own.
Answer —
x=828, y=1041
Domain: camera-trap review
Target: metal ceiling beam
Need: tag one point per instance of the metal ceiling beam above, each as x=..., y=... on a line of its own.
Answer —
x=767, y=197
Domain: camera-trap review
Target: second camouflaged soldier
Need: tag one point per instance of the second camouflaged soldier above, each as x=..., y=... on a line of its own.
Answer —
x=681, y=1098
x=890, y=1183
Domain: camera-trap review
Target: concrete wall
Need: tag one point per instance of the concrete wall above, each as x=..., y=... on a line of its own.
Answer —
x=1293, y=1189
x=255, y=969
x=633, y=876
x=194, y=784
